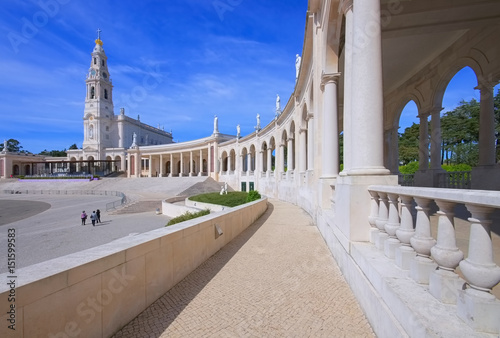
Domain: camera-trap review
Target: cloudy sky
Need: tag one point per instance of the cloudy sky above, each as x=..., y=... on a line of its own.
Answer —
x=176, y=63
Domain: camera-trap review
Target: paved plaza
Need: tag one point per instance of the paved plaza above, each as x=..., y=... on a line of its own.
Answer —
x=277, y=279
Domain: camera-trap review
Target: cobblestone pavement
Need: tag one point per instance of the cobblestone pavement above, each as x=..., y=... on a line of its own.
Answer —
x=277, y=279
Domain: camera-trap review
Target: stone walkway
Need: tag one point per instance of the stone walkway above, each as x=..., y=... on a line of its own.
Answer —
x=277, y=279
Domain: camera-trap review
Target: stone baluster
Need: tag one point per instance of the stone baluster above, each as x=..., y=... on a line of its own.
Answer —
x=476, y=305
x=422, y=265
x=444, y=283
x=392, y=226
x=382, y=220
x=373, y=216
x=405, y=254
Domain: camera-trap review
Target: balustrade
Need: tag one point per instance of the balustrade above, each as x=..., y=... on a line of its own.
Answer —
x=435, y=261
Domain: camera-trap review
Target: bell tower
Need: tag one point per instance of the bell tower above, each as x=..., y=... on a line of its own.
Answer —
x=98, y=114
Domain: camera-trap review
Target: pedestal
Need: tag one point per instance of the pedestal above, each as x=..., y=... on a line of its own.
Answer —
x=444, y=285
x=421, y=269
x=380, y=243
x=374, y=232
x=480, y=310
x=403, y=256
x=390, y=247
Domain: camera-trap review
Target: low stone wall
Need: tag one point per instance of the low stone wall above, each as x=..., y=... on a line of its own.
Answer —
x=93, y=293
x=172, y=210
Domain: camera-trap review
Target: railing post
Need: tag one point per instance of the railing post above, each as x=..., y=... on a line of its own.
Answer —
x=373, y=216
x=405, y=254
x=444, y=283
x=422, y=242
x=476, y=305
x=392, y=226
x=382, y=220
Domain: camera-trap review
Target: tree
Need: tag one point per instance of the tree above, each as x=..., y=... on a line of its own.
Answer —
x=12, y=146
x=409, y=144
x=73, y=146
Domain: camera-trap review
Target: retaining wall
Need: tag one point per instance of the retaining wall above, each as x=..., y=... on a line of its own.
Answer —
x=94, y=293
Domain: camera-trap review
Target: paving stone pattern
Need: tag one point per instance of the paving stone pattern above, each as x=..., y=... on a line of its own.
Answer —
x=277, y=279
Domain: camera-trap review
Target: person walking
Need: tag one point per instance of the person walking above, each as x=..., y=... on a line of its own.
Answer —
x=98, y=214
x=93, y=217
x=83, y=217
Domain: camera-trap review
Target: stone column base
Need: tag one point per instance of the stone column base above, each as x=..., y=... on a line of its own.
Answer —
x=382, y=237
x=374, y=232
x=444, y=285
x=390, y=247
x=403, y=256
x=480, y=310
x=421, y=269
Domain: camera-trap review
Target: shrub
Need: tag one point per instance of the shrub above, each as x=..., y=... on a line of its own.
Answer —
x=187, y=216
x=456, y=167
x=253, y=196
x=410, y=168
x=231, y=199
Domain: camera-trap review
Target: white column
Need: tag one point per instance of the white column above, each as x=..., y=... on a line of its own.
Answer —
x=171, y=165
x=349, y=33
x=229, y=162
x=261, y=162
x=209, y=161
x=436, y=138
x=367, y=109
x=487, y=151
x=423, y=146
x=161, y=165
x=249, y=162
x=150, y=174
x=330, y=144
x=191, y=169
x=282, y=158
x=290, y=164
x=201, y=163
x=269, y=159
x=303, y=151
x=181, y=171
x=310, y=142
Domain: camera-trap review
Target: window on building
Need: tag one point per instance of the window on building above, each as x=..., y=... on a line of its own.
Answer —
x=107, y=137
x=107, y=128
x=95, y=61
x=92, y=92
x=102, y=63
x=106, y=94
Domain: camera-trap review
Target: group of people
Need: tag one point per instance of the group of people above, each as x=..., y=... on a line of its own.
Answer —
x=95, y=217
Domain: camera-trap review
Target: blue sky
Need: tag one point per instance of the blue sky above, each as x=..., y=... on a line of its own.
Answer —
x=175, y=63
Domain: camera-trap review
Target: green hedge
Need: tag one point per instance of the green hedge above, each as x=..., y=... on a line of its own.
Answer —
x=187, y=216
x=231, y=199
x=253, y=196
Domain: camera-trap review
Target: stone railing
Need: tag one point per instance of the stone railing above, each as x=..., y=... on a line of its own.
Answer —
x=455, y=179
x=95, y=292
x=434, y=261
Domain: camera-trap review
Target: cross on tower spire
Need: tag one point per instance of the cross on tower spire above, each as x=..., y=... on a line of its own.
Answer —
x=99, y=33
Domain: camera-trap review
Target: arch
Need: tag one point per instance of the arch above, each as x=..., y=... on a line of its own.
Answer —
x=284, y=152
x=263, y=148
x=27, y=169
x=453, y=69
x=118, y=163
x=292, y=160
x=232, y=156
x=252, y=158
x=224, y=161
x=168, y=168
x=244, y=159
x=105, y=93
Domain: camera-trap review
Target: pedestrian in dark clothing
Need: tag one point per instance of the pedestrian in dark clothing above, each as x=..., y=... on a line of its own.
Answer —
x=93, y=217
x=98, y=214
x=83, y=217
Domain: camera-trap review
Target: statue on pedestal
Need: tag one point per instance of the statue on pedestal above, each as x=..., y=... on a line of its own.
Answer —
x=257, y=127
x=297, y=66
x=238, y=131
x=216, y=124
x=134, y=141
x=278, y=107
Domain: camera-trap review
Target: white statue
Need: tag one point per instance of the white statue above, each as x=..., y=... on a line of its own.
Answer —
x=225, y=188
x=4, y=146
x=134, y=141
x=238, y=131
x=91, y=132
x=278, y=107
x=258, y=121
x=297, y=65
x=216, y=124
x=222, y=190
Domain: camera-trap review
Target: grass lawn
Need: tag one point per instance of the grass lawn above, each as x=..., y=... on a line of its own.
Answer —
x=232, y=199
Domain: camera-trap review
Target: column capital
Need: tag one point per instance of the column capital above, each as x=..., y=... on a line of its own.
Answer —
x=430, y=111
x=309, y=116
x=290, y=139
x=345, y=6
x=327, y=78
x=302, y=130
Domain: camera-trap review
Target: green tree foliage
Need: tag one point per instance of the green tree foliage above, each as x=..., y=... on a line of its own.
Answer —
x=54, y=153
x=408, y=144
x=12, y=146
x=73, y=146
